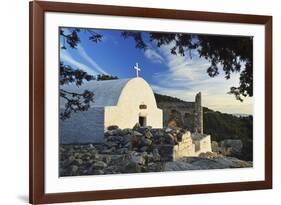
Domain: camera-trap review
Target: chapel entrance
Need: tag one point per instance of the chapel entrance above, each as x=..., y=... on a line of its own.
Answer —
x=142, y=121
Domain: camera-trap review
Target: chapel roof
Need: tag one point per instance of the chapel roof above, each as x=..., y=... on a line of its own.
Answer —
x=106, y=92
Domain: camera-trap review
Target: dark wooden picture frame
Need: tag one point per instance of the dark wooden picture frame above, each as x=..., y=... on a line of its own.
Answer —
x=37, y=193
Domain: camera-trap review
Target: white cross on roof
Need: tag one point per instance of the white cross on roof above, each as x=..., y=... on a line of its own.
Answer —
x=137, y=68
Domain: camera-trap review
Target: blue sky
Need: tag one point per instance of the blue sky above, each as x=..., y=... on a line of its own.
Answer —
x=174, y=75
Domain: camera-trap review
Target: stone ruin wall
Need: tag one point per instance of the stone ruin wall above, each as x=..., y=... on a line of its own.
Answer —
x=202, y=145
x=190, y=145
x=198, y=114
x=184, y=148
x=187, y=115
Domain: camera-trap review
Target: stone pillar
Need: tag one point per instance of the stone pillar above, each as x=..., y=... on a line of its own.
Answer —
x=198, y=114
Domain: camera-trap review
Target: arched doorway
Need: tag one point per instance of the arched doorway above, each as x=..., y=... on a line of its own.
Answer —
x=143, y=115
x=142, y=121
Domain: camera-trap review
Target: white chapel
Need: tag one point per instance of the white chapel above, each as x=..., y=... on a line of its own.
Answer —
x=121, y=102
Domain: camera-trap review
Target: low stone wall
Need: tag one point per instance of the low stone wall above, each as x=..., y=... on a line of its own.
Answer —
x=183, y=148
x=172, y=144
x=95, y=159
x=202, y=143
x=142, y=149
x=166, y=152
x=228, y=147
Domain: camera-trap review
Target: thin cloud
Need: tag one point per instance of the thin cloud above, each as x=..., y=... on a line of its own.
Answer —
x=187, y=76
x=153, y=56
x=93, y=63
x=66, y=57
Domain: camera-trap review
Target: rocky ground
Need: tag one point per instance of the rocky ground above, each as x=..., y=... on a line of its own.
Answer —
x=92, y=160
x=134, y=151
x=200, y=163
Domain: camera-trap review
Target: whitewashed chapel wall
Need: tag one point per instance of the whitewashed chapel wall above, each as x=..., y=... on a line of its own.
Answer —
x=126, y=114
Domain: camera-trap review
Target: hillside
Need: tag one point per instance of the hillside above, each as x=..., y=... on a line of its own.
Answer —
x=221, y=126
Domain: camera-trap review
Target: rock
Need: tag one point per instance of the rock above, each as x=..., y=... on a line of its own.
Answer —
x=128, y=145
x=62, y=149
x=74, y=169
x=111, y=144
x=232, y=162
x=127, y=138
x=85, y=172
x=205, y=163
x=108, y=133
x=148, y=142
x=126, y=131
x=209, y=155
x=162, y=140
x=136, y=140
x=137, y=125
x=76, y=147
x=91, y=146
x=231, y=147
x=110, y=170
x=215, y=146
x=95, y=170
x=122, y=150
x=217, y=163
x=77, y=162
x=154, y=167
x=107, y=151
x=168, y=129
x=71, y=158
x=136, y=133
x=93, y=152
x=117, y=139
x=169, y=138
x=114, y=132
x=142, y=130
x=158, y=132
x=156, y=155
x=77, y=155
x=105, y=158
x=179, y=166
x=137, y=158
x=100, y=164
x=131, y=167
x=144, y=154
x=148, y=127
x=165, y=152
x=143, y=141
x=100, y=172
x=143, y=149
x=86, y=157
x=148, y=135
x=112, y=127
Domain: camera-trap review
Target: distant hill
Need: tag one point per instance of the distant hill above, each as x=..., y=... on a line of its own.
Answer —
x=161, y=99
x=165, y=98
x=241, y=115
x=220, y=125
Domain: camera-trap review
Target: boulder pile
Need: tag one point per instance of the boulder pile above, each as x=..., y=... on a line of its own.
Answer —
x=133, y=151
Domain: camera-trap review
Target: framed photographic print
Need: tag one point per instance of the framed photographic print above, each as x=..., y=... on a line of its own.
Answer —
x=139, y=102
